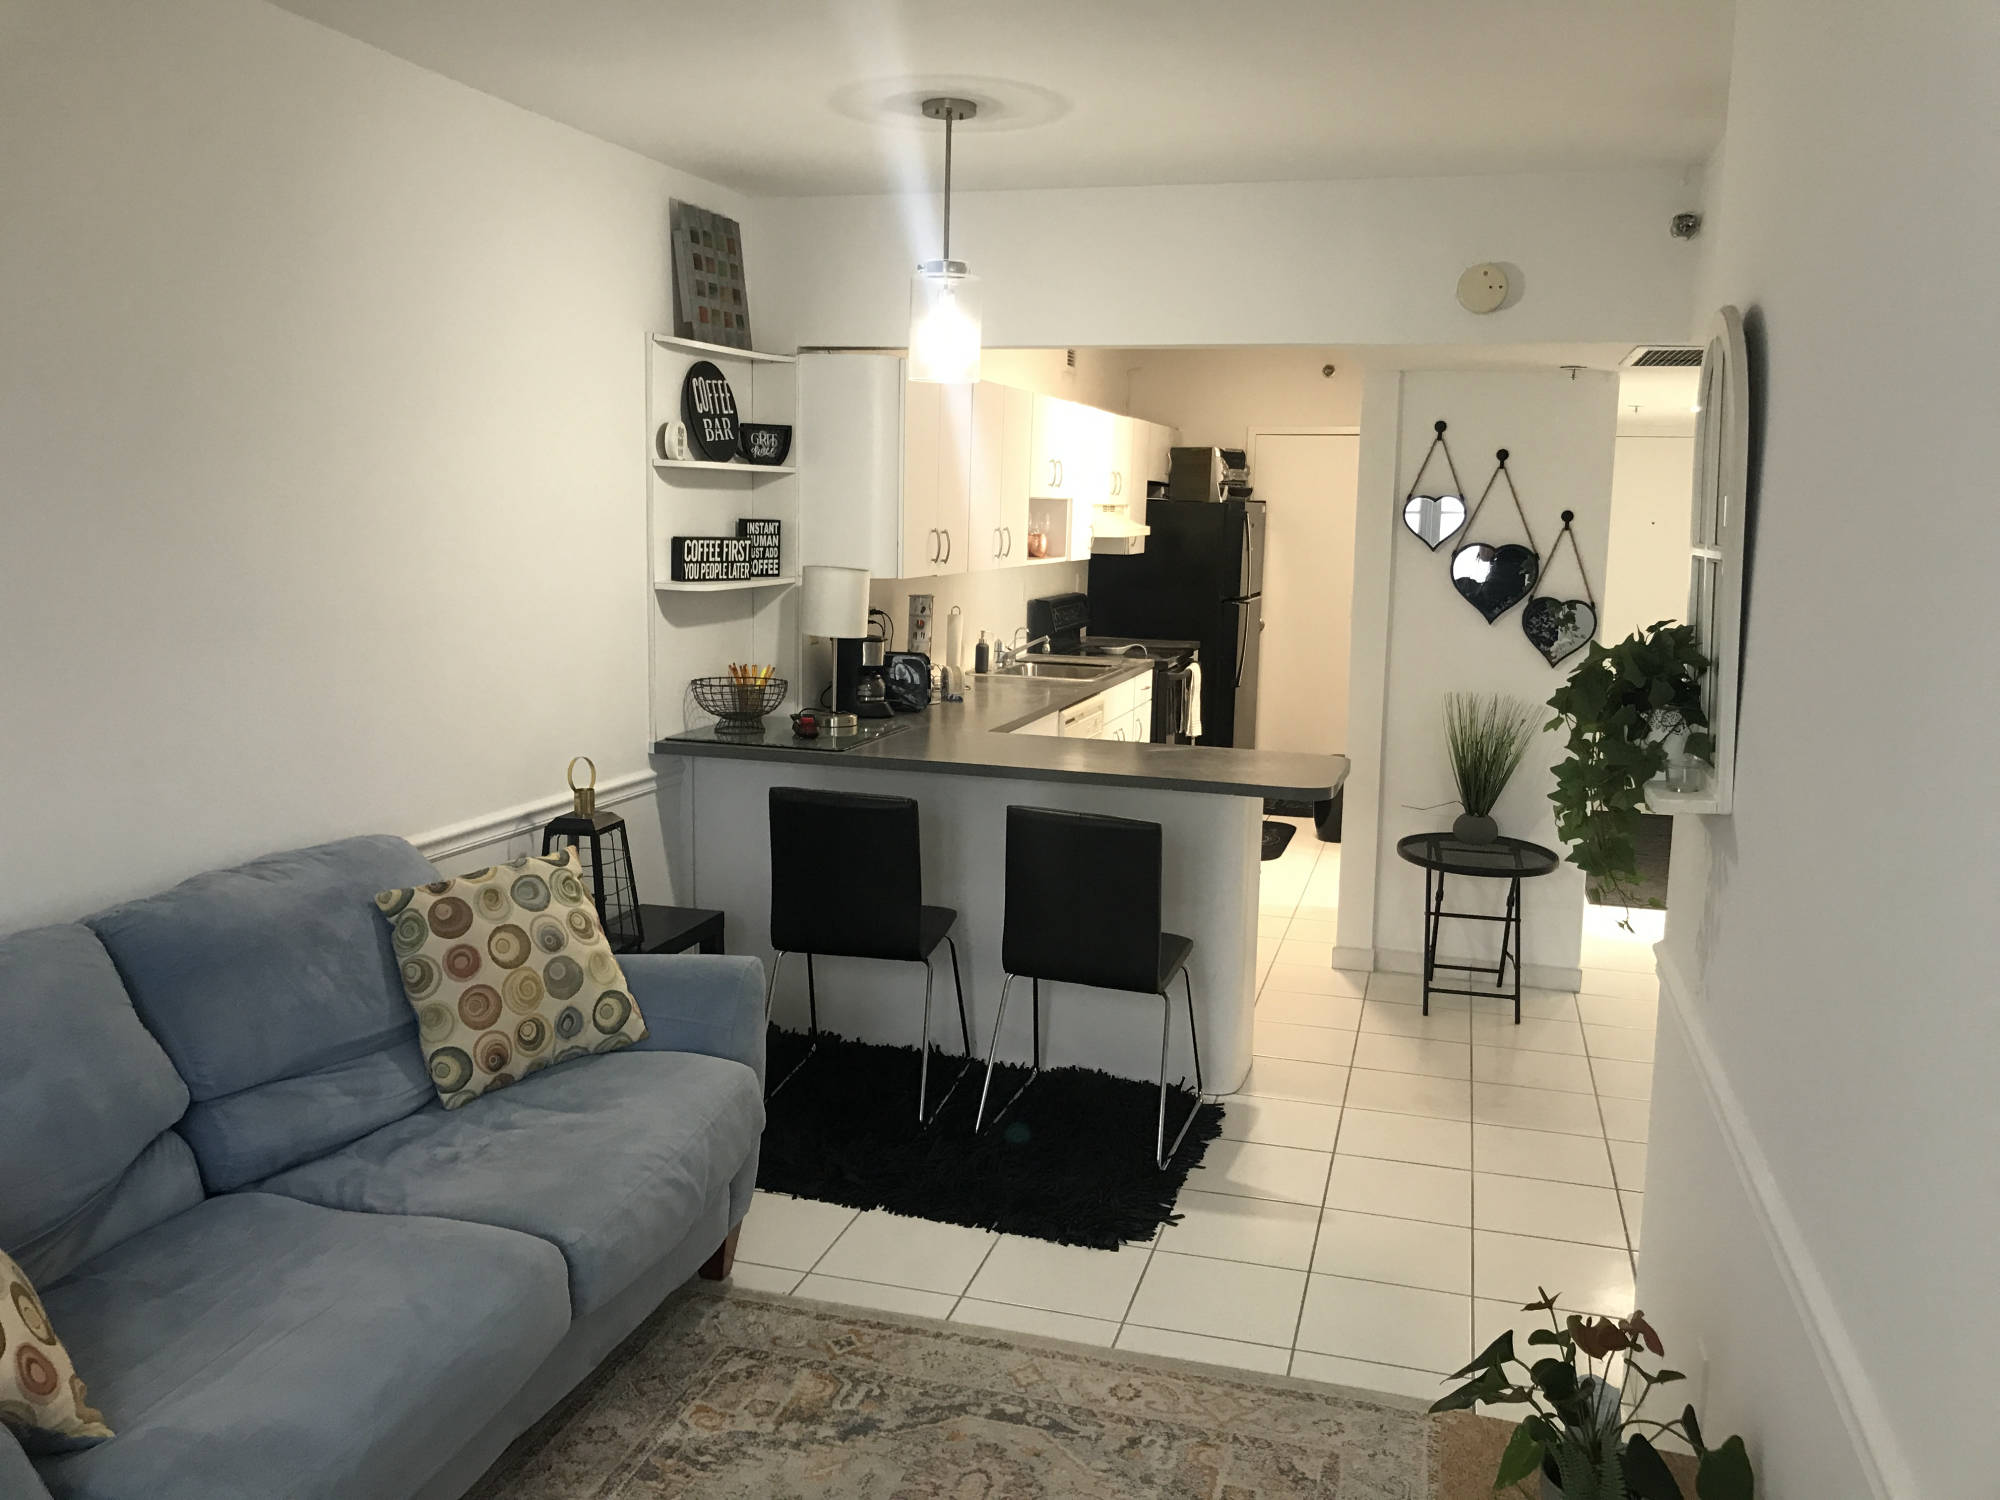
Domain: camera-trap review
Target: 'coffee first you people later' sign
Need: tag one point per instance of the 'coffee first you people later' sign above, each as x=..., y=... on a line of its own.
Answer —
x=708, y=406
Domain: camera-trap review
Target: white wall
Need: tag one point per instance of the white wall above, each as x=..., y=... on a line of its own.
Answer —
x=322, y=400
x=1371, y=262
x=1216, y=396
x=1837, y=971
x=1416, y=639
x=1646, y=571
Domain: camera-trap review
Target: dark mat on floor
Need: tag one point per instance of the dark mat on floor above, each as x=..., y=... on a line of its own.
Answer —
x=1655, y=843
x=1278, y=807
x=1276, y=836
x=1071, y=1162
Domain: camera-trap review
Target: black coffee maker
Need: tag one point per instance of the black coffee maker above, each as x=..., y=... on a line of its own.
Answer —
x=860, y=686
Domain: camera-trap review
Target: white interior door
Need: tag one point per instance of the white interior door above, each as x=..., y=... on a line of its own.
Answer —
x=1308, y=482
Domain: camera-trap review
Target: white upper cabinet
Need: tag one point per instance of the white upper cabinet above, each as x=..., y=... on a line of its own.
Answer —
x=920, y=480
x=1072, y=450
x=937, y=452
x=1002, y=434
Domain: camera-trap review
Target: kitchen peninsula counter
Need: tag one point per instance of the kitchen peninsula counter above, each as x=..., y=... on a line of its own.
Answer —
x=964, y=766
x=976, y=738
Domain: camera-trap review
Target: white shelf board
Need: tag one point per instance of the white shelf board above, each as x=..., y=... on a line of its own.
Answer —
x=723, y=351
x=669, y=466
x=1662, y=799
x=669, y=586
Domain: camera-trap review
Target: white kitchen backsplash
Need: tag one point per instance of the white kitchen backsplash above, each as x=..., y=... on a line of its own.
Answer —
x=995, y=602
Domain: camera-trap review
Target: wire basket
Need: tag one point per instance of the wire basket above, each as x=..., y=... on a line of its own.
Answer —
x=739, y=705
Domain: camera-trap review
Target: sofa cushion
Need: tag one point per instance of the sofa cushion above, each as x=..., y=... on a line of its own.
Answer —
x=85, y=1092
x=257, y=1346
x=508, y=973
x=42, y=1398
x=268, y=974
x=611, y=1159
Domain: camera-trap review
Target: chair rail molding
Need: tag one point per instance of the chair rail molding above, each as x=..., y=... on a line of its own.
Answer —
x=1876, y=1448
x=493, y=828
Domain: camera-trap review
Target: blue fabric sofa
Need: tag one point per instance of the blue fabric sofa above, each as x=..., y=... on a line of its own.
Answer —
x=282, y=1267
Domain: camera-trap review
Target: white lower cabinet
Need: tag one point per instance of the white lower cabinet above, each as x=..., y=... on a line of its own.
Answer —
x=1122, y=712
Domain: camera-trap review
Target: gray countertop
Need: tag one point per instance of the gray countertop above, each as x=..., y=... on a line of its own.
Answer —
x=973, y=738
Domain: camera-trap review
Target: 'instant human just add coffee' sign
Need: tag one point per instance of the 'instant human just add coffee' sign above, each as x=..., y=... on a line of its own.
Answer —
x=708, y=406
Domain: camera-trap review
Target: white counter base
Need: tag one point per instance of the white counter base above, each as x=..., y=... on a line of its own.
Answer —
x=1211, y=848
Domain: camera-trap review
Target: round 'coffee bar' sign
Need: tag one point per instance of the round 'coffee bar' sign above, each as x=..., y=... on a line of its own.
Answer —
x=708, y=406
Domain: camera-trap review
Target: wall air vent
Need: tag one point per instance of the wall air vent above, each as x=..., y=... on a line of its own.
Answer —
x=1663, y=357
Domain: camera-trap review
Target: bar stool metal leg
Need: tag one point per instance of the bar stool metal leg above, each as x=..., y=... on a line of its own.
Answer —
x=1162, y=1152
x=993, y=1054
x=812, y=1001
x=925, y=1115
x=924, y=1050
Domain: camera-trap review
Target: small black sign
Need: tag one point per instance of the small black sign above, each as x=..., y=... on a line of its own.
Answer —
x=708, y=406
x=721, y=559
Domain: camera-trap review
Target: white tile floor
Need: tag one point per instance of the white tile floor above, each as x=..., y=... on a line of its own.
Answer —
x=1388, y=1189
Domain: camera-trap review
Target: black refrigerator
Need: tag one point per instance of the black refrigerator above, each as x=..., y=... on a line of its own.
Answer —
x=1200, y=578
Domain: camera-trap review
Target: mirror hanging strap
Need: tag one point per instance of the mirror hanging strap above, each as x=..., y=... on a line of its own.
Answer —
x=1576, y=552
x=1500, y=468
x=1437, y=442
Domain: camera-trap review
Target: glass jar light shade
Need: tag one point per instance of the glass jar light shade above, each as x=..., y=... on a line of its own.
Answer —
x=944, y=323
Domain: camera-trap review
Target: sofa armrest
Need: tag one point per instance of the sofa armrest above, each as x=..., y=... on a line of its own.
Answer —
x=18, y=1479
x=698, y=1002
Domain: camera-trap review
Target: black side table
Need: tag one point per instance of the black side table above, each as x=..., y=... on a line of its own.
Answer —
x=1511, y=860
x=675, y=929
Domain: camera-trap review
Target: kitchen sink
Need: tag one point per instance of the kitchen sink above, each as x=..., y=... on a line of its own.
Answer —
x=1070, y=670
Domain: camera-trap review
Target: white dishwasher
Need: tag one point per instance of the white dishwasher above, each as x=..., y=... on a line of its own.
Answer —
x=1085, y=721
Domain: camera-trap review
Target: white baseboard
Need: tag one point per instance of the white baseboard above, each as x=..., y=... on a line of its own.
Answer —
x=1861, y=1412
x=1533, y=976
x=1360, y=960
x=495, y=828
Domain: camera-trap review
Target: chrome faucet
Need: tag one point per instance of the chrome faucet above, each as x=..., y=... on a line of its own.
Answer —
x=1008, y=655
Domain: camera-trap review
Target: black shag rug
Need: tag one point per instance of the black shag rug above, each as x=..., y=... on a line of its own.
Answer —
x=1276, y=836
x=1071, y=1162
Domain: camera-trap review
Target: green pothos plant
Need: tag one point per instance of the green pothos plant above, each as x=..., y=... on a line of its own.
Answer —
x=1578, y=1425
x=1620, y=707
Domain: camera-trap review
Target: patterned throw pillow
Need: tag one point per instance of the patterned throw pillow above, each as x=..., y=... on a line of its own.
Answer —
x=509, y=973
x=40, y=1395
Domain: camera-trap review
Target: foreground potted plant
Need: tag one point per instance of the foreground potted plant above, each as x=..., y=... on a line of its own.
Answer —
x=1485, y=736
x=1622, y=706
x=1579, y=1435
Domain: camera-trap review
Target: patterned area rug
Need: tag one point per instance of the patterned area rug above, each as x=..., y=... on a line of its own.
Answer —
x=736, y=1396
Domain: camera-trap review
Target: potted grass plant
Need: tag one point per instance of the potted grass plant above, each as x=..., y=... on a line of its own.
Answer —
x=1485, y=737
x=1579, y=1434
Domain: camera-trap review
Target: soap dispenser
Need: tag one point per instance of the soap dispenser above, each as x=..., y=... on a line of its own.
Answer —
x=982, y=656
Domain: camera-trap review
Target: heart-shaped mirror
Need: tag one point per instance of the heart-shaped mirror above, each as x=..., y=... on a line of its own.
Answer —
x=1434, y=518
x=1494, y=579
x=1559, y=628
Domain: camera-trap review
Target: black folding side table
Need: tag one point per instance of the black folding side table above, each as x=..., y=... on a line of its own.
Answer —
x=675, y=929
x=1511, y=860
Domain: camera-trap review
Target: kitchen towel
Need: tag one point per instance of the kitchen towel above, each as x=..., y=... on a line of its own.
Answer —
x=1194, y=701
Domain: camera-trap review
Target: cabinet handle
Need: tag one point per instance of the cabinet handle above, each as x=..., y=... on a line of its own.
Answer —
x=998, y=550
x=934, y=544
x=1059, y=473
x=947, y=547
x=1010, y=539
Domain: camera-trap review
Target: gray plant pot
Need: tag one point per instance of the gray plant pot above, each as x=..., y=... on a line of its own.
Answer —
x=1472, y=828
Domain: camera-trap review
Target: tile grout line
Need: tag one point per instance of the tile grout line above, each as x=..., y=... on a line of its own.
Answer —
x=1631, y=1250
x=1325, y=1190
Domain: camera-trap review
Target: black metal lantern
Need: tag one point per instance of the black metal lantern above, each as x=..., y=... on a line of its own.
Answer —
x=607, y=860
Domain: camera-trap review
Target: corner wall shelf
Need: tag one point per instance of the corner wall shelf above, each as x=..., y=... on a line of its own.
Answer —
x=669, y=586
x=667, y=466
x=722, y=351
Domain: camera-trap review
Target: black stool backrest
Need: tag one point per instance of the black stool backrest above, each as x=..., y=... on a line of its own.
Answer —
x=846, y=874
x=1083, y=899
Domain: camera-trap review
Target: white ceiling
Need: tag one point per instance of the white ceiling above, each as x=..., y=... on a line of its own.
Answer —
x=789, y=96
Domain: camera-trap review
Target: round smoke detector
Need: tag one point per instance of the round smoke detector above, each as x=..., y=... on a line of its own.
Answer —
x=1482, y=288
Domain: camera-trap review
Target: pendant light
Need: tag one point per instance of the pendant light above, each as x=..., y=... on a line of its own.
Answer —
x=944, y=296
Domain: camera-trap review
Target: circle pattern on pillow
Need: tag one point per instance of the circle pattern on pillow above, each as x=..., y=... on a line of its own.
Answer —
x=41, y=1397
x=509, y=973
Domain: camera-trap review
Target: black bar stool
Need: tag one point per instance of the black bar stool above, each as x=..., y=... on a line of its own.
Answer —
x=1083, y=907
x=847, y=882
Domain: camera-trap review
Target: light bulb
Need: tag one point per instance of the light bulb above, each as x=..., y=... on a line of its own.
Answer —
x=944, y=324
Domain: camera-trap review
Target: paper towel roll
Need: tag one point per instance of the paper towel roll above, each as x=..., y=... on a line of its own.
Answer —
x=954, y=638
